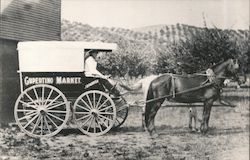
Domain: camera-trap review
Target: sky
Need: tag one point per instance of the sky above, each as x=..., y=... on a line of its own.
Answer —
x=129, y=14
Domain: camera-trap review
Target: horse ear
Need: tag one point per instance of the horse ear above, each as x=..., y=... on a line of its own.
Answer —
x=236, y=64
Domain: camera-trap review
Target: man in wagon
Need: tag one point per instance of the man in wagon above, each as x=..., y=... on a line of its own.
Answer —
x=91, y=69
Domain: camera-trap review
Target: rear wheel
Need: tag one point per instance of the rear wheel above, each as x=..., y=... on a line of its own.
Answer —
x=41, y=111
x=94, y=113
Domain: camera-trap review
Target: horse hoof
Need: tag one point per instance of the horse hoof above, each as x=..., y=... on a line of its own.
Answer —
x=154, y=135
x=193, y=130
x=190, y=127
x=204, y=131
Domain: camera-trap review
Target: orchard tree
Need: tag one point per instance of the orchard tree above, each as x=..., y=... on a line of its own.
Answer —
x=206, y=48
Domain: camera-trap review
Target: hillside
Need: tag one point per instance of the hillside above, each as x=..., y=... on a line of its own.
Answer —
x=160, y=48
x=158, y=34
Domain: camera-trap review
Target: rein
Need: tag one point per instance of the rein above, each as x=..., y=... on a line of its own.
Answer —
x=203, y=74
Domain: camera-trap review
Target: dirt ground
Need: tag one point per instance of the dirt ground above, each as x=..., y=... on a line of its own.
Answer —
x=227, y=139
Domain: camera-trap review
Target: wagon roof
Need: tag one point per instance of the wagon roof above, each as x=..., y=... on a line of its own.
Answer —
x=67, y=44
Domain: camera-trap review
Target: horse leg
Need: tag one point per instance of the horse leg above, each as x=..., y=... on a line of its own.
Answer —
x=209, y=112
x=205, y=117
x=190, y=118
x=150, y=112
x=195, y=119
x=195, y=122
x=143, y=118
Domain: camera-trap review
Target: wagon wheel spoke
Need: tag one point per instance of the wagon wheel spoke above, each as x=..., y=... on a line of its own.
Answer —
x=105, y=118
x=57, y=111
x=91, y=121
x=99, y=100
x=48, y=97
x=49, y=114
x=103, y=122
x=36, y=94
x=47, y=124
x=106, y=113
x=42, y=98
x=94, y=99
x=27, y=116
x=99, y=125
x=108, y=107
x=57, y=105
x=122, y=108
x=86, y=121
x=82, y=112
x=103, y=103
x=89, y=107
x=94, y=127
x=89, y=101
x=31, y=99
x=83, y=117
x=31, y=121
x=54, y=100
x=26, y=110
x=36, y=124
x=41, y=124
x=27, y=104
x=52, y=121
x=118, y=120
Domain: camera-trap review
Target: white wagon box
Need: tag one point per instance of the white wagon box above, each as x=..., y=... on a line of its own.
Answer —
x=56, y=56
x=52, y=79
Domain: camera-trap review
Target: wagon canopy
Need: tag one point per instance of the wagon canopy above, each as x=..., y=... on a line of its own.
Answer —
x=56, y=56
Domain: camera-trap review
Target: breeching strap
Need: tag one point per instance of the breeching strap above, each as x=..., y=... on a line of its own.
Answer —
x=173, y=85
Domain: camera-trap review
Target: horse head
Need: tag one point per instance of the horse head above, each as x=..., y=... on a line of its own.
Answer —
x=233, y=69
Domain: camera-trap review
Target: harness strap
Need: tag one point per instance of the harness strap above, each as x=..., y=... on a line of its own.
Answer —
x=173, y=84
x=186, y=91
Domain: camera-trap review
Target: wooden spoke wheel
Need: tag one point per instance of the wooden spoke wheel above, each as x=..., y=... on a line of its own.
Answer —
x=41, y=111
x=94, y=113
x=121, y=112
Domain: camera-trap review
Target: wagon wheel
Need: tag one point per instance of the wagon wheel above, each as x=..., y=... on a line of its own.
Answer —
x=41, y=111
x=121, y=112
x=94, y=113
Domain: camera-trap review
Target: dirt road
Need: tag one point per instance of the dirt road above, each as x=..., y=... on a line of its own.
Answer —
x=227, y=139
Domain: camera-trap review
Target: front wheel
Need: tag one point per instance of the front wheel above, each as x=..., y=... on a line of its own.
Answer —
x=121, y=112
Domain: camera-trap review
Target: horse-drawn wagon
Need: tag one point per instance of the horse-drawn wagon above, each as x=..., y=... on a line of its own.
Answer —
x=53, y=84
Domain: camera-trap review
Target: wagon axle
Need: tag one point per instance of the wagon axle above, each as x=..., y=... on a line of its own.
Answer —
x=42, y=110
x=94, y=112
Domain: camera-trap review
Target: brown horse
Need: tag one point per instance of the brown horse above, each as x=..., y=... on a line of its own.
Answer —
x=188, y=89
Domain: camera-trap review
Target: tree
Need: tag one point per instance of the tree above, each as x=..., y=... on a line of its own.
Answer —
x=205, y=48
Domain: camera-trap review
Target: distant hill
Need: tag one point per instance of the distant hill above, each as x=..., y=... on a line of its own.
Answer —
x=158, y=34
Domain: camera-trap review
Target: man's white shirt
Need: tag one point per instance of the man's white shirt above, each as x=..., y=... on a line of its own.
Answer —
x=90, y=67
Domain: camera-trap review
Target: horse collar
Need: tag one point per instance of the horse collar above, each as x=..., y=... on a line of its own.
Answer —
x=210, y=75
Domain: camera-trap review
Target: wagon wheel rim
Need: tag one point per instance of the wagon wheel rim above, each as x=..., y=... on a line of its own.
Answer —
x=121, y=113
x=94, y=113
x=41, y=111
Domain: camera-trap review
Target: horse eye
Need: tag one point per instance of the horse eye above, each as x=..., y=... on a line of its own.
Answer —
x=235, y=61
